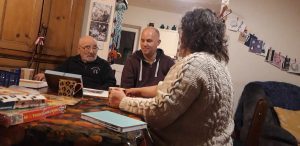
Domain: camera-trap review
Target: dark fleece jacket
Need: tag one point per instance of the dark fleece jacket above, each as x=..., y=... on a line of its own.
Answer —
x=97, y=74
x=139, y=73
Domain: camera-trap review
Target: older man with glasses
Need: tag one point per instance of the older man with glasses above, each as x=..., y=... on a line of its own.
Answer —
x=96, y=72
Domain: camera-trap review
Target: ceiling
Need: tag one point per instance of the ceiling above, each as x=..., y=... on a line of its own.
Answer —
x=177, y=6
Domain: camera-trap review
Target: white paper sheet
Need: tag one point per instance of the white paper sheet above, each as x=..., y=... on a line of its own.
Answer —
x=95, y=92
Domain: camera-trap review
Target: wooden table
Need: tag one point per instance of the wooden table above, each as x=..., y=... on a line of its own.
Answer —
x=66, y=129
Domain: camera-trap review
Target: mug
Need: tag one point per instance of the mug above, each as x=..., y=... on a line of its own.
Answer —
x=27, y=73
x=68, y=87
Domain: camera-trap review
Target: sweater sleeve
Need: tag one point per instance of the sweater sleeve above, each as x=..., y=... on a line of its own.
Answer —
x=174, y=96
x=128, y=77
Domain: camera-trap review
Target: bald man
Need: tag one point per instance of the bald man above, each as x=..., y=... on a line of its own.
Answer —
x=147, y=66
x=96, y=72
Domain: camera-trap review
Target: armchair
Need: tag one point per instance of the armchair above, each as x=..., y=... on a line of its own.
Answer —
x=257, y=123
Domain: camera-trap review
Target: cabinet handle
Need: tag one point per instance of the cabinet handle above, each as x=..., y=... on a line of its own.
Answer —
x=58, y=18
x=26, y=35
x=17, y=35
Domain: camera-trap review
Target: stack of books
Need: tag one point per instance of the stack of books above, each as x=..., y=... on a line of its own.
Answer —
x=19, y=105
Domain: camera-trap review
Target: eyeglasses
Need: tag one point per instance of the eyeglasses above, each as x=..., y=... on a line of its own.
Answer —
x=89, y=47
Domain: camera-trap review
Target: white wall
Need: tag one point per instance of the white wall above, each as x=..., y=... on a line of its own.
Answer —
x=142, y=17
x=277, y=23
x=169, y=41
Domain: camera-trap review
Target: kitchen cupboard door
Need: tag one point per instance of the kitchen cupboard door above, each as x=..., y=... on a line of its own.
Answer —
x=63, y=19
x=19, y=23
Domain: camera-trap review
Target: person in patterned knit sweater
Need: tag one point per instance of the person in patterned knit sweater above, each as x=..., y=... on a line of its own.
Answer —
x=193, y=105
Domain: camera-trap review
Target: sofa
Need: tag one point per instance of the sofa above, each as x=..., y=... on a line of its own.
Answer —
x=258, y=118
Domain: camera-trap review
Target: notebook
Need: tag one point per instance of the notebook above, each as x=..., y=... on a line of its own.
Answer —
x=114, y=121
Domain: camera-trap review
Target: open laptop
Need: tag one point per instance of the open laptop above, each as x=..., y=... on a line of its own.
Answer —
x=53, y=77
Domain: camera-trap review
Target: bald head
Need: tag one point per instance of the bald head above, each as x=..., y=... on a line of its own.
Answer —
x=149, y=42
x=87, y=48
x=153, y=30
x=86, y=39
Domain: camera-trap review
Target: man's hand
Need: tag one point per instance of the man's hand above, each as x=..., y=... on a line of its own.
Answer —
x=39, y=76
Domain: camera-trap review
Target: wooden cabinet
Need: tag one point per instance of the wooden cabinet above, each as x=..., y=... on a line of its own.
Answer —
x=19, y=23
x=21, y=20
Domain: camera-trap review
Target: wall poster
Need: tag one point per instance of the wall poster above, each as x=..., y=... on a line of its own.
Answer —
x=99, y=20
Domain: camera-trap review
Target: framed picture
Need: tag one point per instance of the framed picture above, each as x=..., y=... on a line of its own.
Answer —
x=99, y=20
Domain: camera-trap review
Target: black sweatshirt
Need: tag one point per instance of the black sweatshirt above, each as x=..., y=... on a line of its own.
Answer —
x=97, y=74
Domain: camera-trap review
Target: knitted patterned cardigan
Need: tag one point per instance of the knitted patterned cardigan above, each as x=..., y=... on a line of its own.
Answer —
x=192, y=106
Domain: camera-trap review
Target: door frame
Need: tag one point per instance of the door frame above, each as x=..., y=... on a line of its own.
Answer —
x=119, y=67
x=137, y=31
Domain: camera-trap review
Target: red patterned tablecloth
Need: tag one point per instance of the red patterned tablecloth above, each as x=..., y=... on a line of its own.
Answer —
x=66, y=129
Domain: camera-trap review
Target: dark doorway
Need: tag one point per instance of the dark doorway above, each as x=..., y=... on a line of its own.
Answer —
x=129, y=42
x=126, y=46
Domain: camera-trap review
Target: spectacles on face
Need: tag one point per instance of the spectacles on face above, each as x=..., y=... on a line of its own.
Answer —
x=89, y=47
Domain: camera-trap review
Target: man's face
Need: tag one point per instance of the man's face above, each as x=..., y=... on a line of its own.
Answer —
x=87, y=49
x=149, y=42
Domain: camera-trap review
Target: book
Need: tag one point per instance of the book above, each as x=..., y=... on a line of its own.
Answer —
x=32, y=83
x=17, y=90
x=53, y=77
x=95, y=92
x=18, y=116
x=114, y=121
x=61, y=100
x=21, y=101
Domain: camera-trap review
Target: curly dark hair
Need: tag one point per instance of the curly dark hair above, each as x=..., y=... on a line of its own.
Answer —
x=202, y=31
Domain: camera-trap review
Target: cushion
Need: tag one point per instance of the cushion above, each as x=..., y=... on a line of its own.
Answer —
x=289, y=120
x=282, y=94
